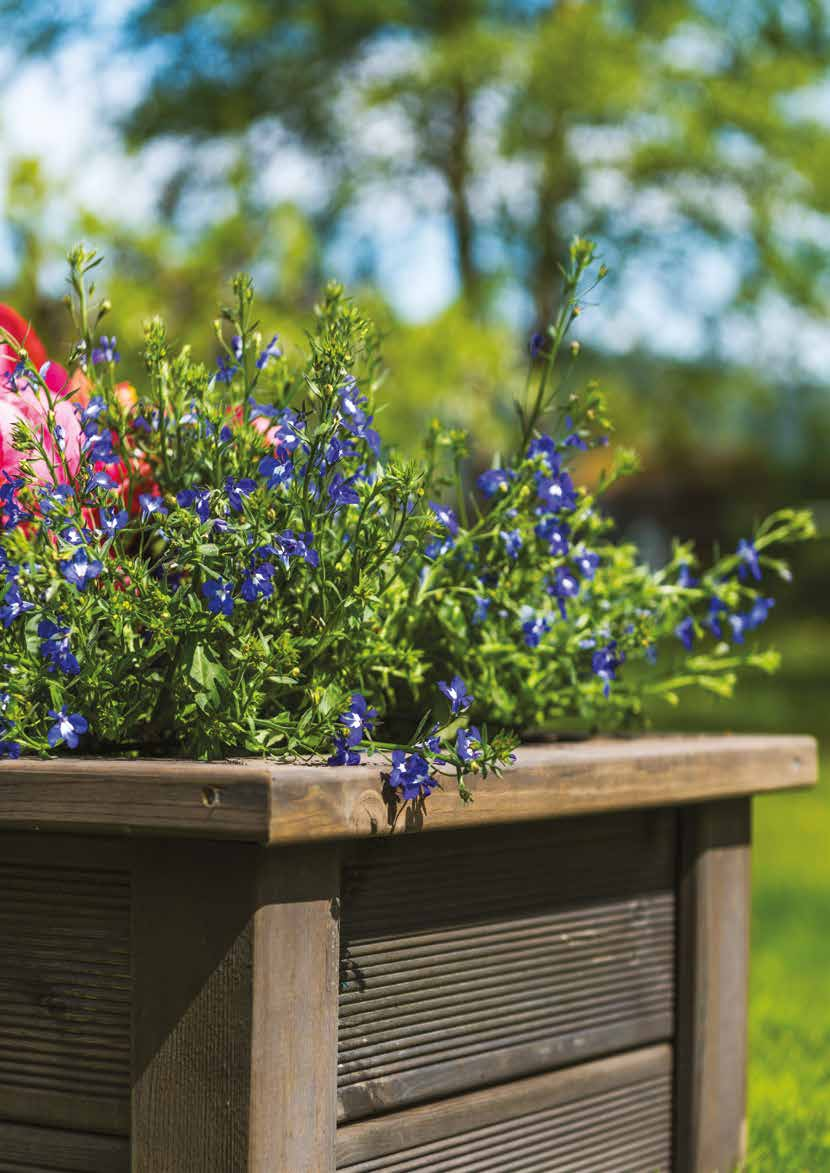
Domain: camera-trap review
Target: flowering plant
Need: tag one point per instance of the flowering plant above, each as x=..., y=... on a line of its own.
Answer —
x=221, y=561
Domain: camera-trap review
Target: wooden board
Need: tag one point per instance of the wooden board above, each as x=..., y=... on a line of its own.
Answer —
x=27, y=1149
x=267, y=802
x=479, y=956
x=598, y=1117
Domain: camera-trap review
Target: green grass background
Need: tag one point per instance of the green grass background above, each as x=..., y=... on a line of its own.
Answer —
x=789, y=1010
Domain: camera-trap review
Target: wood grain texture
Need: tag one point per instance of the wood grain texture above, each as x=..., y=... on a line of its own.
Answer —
x=293, y=1117
x=65, y=984
x=713, y=972
x=479, y=956
x=27, y=1149
x=610, y=1114
x=267, y=802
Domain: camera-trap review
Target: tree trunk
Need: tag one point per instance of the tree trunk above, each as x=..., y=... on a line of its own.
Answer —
x=458, y=174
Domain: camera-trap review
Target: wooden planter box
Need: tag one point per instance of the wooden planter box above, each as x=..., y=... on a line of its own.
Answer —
x=214, y=968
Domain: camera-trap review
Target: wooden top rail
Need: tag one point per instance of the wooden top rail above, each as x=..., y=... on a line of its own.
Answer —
x=263, y=801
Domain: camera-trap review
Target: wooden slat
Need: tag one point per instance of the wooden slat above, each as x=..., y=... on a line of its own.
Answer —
x=262, y=801
x=713, y=978
x=483, y=955
x=65, y=984
x=610, y=1114
x=26, y=1149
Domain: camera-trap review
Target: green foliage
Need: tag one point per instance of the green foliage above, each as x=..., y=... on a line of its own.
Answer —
x=276, y=563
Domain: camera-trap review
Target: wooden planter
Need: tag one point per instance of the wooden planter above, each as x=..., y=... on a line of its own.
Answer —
x=214, y=968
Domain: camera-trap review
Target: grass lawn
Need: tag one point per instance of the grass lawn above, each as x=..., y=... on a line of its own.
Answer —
x=789, y=1011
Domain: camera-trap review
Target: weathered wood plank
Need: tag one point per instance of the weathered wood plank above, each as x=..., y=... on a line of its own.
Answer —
x=52, y=1150
x=713, y=972
x=485, y=1114
x=258, y=801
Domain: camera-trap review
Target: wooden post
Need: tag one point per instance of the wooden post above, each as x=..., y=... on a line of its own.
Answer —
x=713, y=971
x=235, y=956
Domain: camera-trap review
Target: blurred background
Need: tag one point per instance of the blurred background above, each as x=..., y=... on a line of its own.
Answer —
x=437, y=155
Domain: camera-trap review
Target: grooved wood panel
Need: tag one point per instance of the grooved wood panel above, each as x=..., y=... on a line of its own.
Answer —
x=65, y=992
x=480, y=956
x=24, y=1149
x=626, y=1128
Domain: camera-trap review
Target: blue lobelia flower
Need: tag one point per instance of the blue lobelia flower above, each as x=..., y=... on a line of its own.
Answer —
x=13, y=605
x=411, y=776
x=8, y=748
x=482, y=607
x=74, y=536
x=342, y=491
x=55, y=647
x=685, y=578
x=536, y=344
x=67, y=728
x=272, y=350
x=437, y=547
x=456, y=693
x=225, y=370
x=749, y=563
x=564, y=586
x=80, y=569
x=432, y=744
x=534, y=626
x=106, y=351
x=198, y=500
x=278, y=472
x=257, y=583
x=544, y=446
x=495, y=480
x=237, y=490
x=151, y=504
x=557, y=492
x=92, y=411
x=468, y=744
x=586, y=563
x=238, y=347
x=55, y=496
x=712, y=621
x=219, y=595
x=357, y=718
x=98, y=446
x=685, y=632
x=605, y=662
x=286, y=546
x=573, y=439
x=758, y=612
x=512, y=542
x=740, y=626
x=344, y=754
x=556, y=533
x=100, y=480
x=446, y=516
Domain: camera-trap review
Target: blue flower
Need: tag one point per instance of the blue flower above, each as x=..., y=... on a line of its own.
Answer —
x=544, y=446
x=512, y=542
x=80, y=569
x=225, y=370
x=98, y=446
x=456, y=694
x=749, y=563
x=556, y=492
x=286, y=546
x=357, y=718
x=712, y=621
x=685, y=578
x=238, y=347
x=95, y=408
x=573, y=439
x=111, y=521
x=100, y=480
x=8, y=505
x=564, y=586
x=739, y=626
x=196, y=499
x=257, y=582
x=9, y=749
x=74, y=536
x=482, y=607
x=219, y=595
x=446, y=516
x=278, y=472
x=55, y=495
x=534, y=626
x=67, y=728
x=432, y=745
x=237, y=490
x=758, y=612
x=342, y=491
x=604, y=664
x=151, y=503
x=556, y=533
x=344, y=754
x=586, y=563
x=106, y=352
x=55, y=647
x=270, y=351
x=437, y=547
x=685, y=632
x=13, y=605
x=495, y=480
x=536, y=344
x=411, y=776
x=468, y=744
